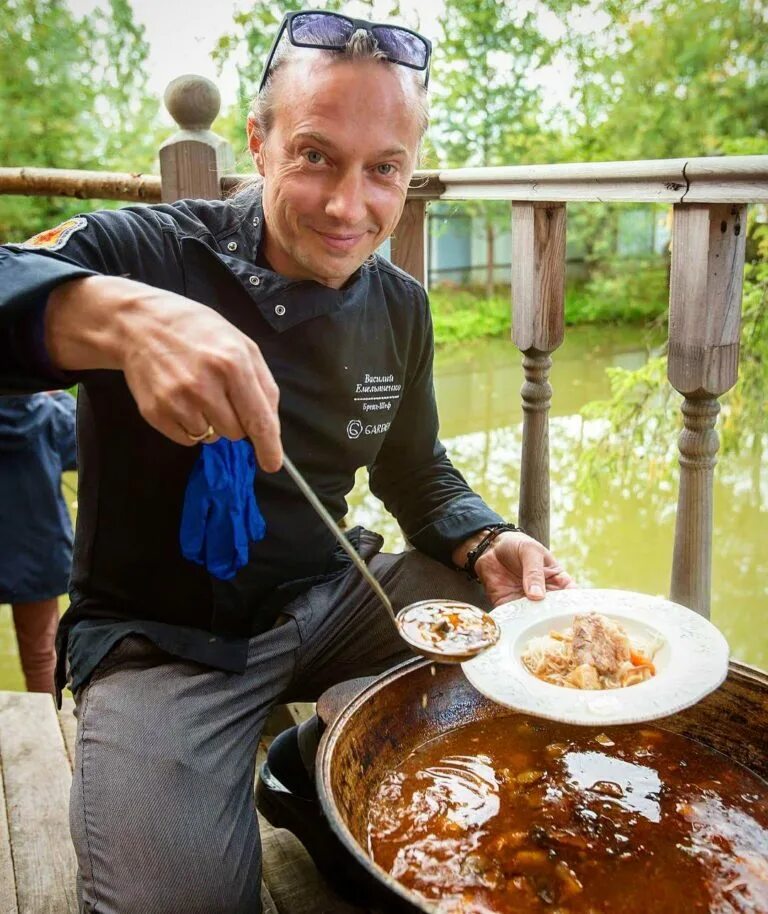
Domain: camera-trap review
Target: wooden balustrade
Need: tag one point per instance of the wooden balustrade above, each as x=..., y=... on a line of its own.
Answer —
x=193, y=161
x=709, y=197
x=704, y=317
x=538, y=298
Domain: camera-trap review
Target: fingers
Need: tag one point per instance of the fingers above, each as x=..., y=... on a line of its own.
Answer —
x=561, y=581
x=254, y=398
x=556, y=577
x=533, y=557
x=542, y=572
x=188, y=368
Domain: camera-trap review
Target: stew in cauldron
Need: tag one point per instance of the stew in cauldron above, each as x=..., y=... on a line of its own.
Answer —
x=520, y=815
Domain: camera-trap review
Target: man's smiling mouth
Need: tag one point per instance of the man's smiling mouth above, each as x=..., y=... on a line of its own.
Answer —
x=341, y=242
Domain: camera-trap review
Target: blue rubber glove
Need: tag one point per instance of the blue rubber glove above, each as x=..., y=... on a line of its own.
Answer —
x=220, y=516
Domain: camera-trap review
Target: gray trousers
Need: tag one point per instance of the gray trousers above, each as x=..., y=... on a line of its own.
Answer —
x=161, y=812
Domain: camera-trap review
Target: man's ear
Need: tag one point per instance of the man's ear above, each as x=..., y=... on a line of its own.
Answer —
x=255, y=144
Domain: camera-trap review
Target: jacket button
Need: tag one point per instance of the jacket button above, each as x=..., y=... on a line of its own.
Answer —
x=254, y=280
x=279, y=310
x=255, y=220
x=232, y=246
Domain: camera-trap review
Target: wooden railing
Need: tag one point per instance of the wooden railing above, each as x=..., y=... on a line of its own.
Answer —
x=709, y=195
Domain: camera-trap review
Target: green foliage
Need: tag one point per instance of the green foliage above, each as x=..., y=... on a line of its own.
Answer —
x=486, y=110
x=637, y=422
x=72, y=95
x=663, y=80
x=637, y=294
x=668, y=79
x=462, y=315
x=621, y=290
x=641, y=418
x=745, y=412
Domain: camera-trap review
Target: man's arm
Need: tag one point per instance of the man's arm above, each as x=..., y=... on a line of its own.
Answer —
x=514, y=565
x=70, y=310
x=186, y=366
x=438, y=511
x=412, y=473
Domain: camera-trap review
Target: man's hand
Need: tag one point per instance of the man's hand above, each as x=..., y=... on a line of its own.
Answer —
x=515, y=565
x=186, y=366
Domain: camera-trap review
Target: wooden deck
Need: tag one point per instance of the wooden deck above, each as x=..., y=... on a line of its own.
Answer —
x=37, y=862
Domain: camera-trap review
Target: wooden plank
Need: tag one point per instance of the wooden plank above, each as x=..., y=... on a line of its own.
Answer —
x=7, y=879
x=283, y=717
x=538, y=275
x=708, y=250
x=409, y=240
x=538, y=328
x=730, y=179
x=716, y=179
x=68, y=725
x=82, y=185
x=268, y=905
x=36, y=777
x=289, y=875
x=292, y=879
x=193, y=160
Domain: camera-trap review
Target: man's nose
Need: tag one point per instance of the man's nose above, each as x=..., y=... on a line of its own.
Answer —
x=346, y=202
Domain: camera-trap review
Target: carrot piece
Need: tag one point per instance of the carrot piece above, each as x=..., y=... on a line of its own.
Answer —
x=639, y=659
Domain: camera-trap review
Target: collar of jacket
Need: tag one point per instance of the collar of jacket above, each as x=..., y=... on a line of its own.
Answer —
x=283, y=302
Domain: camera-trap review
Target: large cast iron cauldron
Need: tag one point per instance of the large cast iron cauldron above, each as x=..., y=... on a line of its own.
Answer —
x=391, y=717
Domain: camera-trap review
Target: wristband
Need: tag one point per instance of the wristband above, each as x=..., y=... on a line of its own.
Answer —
x=474, y=554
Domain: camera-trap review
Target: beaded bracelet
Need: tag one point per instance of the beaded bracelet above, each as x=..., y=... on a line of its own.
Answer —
x=473, y=555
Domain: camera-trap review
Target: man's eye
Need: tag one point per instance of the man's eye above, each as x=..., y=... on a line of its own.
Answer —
x=314, y=157
x=386, y=169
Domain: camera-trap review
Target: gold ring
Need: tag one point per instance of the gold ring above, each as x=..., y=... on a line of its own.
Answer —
x=208, y=433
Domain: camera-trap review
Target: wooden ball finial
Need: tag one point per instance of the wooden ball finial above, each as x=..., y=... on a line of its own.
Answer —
x=193, y=101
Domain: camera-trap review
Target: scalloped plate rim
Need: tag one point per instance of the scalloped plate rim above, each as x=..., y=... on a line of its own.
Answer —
x=529, y=695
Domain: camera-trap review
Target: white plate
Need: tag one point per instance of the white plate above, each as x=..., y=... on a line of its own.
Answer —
x=691, y=658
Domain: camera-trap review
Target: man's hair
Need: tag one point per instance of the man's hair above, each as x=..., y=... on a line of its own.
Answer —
x=361, y=46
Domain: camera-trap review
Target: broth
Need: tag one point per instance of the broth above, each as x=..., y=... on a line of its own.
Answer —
x=514, y=816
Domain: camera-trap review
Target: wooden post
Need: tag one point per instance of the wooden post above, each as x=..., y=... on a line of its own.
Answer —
x=538, y=299
x=708, y=242
x=193, y=160
x=408, y=240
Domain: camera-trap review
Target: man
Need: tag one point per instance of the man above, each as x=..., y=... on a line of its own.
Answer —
x=183, y=324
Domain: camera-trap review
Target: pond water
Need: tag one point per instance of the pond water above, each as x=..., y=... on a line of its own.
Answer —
x=619, y=537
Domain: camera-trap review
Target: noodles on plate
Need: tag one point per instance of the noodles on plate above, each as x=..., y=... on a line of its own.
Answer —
x=594, y=653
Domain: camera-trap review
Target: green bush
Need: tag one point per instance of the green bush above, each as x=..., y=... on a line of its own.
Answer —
x=619, y=292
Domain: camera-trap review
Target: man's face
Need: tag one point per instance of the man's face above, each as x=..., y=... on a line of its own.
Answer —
x=336, y=164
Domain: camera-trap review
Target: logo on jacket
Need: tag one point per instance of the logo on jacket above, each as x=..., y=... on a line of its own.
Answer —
x=55, y=238
x=354, y=428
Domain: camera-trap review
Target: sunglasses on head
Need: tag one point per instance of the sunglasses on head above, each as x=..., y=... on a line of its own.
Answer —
x=332, y=31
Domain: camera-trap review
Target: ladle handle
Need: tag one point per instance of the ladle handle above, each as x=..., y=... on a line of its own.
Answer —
x=336, y=530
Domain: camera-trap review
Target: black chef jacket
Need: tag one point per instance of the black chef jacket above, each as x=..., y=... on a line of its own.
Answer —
x=354, y=368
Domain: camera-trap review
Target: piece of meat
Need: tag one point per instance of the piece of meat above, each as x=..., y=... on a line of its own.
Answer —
x=597, y=641
x=583, y=677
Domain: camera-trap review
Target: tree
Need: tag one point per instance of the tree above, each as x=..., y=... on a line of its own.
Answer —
x=486, y=106
x=671, y=78
x=72, y=95
x=675, y=79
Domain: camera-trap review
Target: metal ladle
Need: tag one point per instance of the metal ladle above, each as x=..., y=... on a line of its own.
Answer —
x=407, y=619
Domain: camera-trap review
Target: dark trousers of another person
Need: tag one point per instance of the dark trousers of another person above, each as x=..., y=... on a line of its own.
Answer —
x=162, y=812
x=35, y=625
